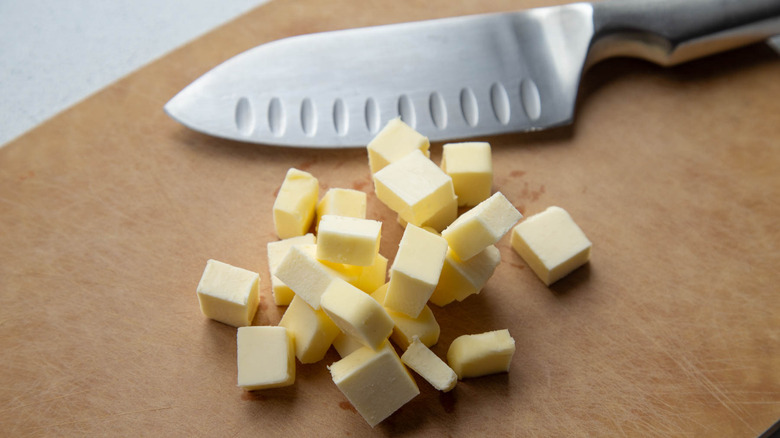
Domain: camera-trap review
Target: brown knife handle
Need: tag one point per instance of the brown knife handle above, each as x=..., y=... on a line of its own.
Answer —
x=669, y=32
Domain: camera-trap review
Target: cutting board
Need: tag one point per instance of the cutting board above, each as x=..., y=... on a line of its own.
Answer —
x=109, y=211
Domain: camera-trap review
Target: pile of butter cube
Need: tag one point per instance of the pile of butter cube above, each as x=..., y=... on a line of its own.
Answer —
x=335, y=283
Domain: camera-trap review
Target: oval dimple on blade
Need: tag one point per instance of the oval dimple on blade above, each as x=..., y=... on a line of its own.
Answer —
x=438, y=109
x=245, y=117
x=499, y=99
x=277, y=119
x=406, y=111
x=340, y=117
x=468, y=106
x=372, y=115
x=529, y=97
x=308, y=117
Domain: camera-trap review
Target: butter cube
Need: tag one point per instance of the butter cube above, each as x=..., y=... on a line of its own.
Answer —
x=342, y=202
x=356, y=313
x=372, y=277
x=312, y=330
x=424, y=327
x=394, y=141
x=295, y=204
x=460, y=279
x=425, y=363
x=551, y=243
x=414, y=187
x=441, y=219
x=471, y=167
x=375, y=382
x=304, y=274
x=482, y=354
x=415, y=271
x=266, y=357
x=348, y=240
x=482, y=226
x=346, y=344
x=228, y=294
x=282, y=293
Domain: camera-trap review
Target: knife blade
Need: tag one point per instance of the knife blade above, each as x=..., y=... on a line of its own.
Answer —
x=452, y=78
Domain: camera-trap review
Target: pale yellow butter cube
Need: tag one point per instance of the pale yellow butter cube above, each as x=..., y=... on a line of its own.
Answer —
x=394, y=141
x=304, y=274
x=482, y=226
x=470, y=166
x=425, y=363
x=551, y=243
x=415, y=270
x=342, y=202
x=375, y=382
x=295, y=204
x=348, y=240
x=424, y=326
x=414, y=187
x=228, y=294
x=481, y=354
x=312, y=330
x=372, y=277
x=346, y=344
x=282, y=293
x=356, y=313
x=266, y=358
x=441, y=219
x=460, y=279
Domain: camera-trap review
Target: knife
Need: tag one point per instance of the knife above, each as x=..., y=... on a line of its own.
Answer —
x=452, y=78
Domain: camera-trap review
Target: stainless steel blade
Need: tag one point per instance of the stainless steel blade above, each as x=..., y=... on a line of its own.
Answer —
x=450, y=78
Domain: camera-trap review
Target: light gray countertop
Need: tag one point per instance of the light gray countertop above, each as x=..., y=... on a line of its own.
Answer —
x=55, y=53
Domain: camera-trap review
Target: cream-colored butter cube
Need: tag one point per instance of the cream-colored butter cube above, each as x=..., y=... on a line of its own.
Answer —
x=441, y=219
x=471, y=167
x=415, y=270
x=266, y=357
x=460, y=279
x=342, y=202
x=312, y=330
x=282, y=293
x=372, y=277
x=228, y=294
x=394, y=141
x=482, y=226
x=348, y=240
x=551, y=243
x=481, y=354
x=424, y=326
x=346, y=344
x=375, y=382
x=425, y=363
x=356, y=313
x=295, y=204
x=414, y=187
x=304, y=274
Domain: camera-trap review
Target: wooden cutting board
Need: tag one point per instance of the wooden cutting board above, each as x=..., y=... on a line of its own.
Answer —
x=109, y=211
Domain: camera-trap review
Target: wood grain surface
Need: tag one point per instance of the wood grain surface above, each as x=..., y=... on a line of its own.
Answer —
x=109, y=211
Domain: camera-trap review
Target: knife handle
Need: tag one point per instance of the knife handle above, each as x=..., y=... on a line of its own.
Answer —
x=670, y=32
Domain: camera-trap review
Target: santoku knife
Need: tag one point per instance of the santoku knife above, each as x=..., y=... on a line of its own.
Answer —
x=456, y=77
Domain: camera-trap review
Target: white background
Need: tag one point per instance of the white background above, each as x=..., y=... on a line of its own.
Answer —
x=54, y=53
